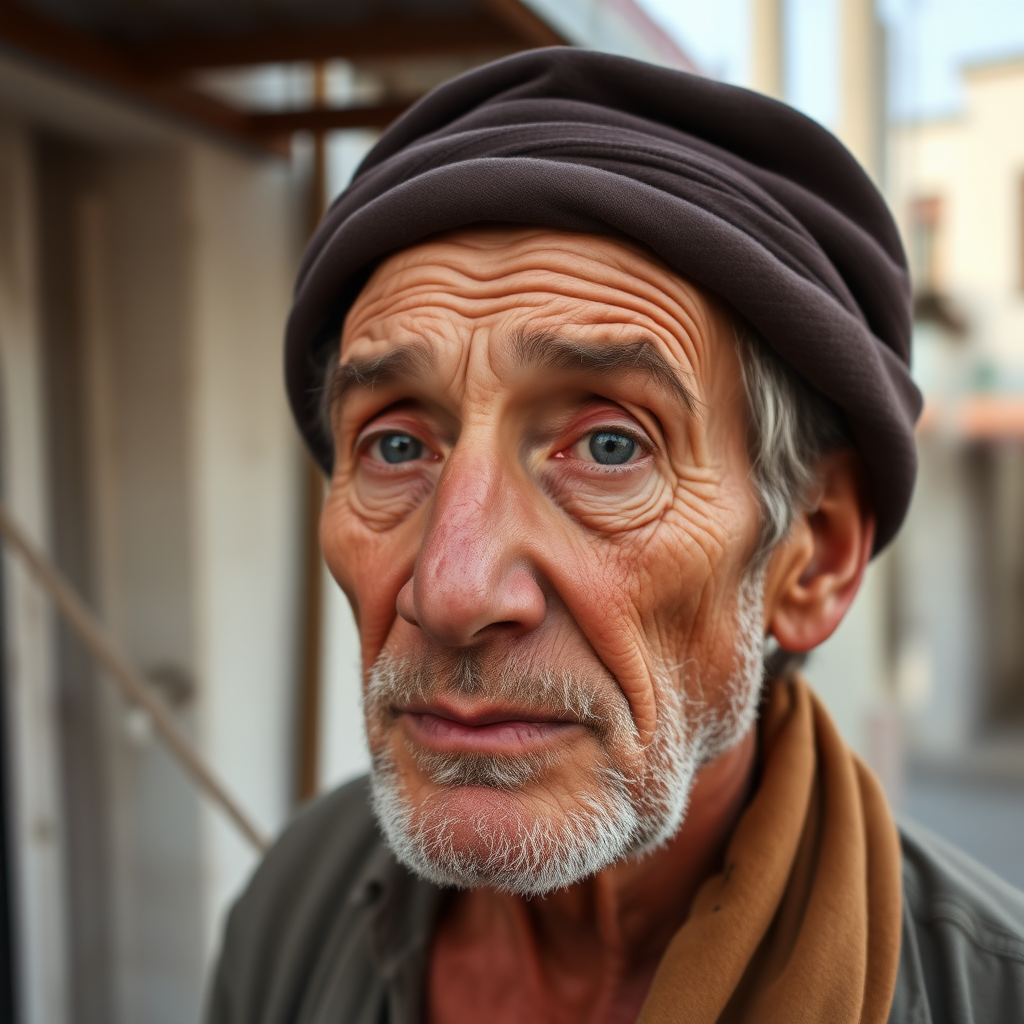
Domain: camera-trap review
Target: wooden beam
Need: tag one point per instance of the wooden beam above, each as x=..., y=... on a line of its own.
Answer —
x=324, y=119
x=371, y=40
x=530, y=28
x=68, y=50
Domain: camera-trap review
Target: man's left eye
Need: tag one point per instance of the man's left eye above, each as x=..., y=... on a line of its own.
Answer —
x=607, y=448
x=612, y=449
x=396, y=448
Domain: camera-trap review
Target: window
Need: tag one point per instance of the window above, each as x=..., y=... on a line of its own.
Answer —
x=925, y=224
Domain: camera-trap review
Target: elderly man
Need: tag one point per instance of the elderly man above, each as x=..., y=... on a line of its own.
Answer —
x=608, y=365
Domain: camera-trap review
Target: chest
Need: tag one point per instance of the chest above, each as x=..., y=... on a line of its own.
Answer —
x=503, y=980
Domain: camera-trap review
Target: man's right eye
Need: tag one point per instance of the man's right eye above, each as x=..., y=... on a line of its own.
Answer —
x=395, y=448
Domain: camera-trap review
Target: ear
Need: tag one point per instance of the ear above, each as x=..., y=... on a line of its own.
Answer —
x=816, y=572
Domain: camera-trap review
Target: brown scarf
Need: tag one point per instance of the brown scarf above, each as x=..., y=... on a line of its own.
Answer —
x=803, y=924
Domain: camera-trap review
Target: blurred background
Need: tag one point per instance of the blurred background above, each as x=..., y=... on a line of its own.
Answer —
x=161, y=164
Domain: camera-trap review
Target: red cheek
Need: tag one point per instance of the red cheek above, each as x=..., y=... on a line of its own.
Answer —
x=600, y=595
x=370, y=566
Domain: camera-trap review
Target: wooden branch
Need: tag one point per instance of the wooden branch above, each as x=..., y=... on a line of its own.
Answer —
x=324, y=119
x=371, y=40
x=130, y=681
x=529, y=27
x=88, y=57
x=145, y=73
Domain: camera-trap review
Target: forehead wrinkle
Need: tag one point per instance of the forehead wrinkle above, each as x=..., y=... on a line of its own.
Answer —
x=546, y=350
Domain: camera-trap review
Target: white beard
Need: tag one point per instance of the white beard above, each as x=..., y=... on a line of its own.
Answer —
x=619, y=816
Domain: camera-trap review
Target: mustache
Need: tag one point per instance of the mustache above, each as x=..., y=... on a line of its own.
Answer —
x=562, y=693
x=543, y=692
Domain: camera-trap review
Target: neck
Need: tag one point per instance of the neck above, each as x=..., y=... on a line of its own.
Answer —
x=638, y=904
x=605, y=935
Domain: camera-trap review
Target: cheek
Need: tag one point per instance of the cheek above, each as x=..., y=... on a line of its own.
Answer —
x=382, y=500
x=695, y=561
x=654, y=600
x=607, y=587
x=370, y=566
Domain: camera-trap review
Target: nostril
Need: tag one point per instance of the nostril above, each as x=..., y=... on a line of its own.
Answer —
x=405, y=603
x=506, y=626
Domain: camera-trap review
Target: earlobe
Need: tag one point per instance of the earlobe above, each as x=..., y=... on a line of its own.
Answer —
x=818, y=569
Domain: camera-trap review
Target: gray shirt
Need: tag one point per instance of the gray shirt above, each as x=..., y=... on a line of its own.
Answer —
x=332, y=929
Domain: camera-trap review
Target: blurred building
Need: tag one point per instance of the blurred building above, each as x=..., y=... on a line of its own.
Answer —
x=925, y=675
x=159, y=169
x=957, y=188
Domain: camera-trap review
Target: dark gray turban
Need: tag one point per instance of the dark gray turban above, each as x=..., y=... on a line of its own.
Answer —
x=734, y=191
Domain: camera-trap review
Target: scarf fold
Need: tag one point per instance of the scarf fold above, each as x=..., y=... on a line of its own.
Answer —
x=803, y=923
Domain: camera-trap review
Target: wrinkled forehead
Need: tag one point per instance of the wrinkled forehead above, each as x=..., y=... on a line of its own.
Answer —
x=588, y=288
x=475, y=257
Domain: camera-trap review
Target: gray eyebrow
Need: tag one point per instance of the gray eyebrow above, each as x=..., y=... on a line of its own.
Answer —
x=411, y=361
x=537, y=349
x=545, y=350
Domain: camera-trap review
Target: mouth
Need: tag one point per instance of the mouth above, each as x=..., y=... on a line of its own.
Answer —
x=506, y=732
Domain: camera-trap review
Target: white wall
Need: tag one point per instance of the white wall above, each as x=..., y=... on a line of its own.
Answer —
x=942, y=604
x=32, y=757
x=343, y=751
x=850, y=670
x=138, y=400
x=244, y=458
x=195, y=465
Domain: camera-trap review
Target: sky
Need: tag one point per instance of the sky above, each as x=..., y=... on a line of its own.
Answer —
x=928, y=41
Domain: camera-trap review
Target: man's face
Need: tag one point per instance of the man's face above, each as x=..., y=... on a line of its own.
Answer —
x=540, y=512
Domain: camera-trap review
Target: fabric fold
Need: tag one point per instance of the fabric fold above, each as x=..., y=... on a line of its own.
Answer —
x=803, y=922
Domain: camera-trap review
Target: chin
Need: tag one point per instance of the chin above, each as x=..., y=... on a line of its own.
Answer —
x=475, y=821
x=528, y=841
x=535, y=810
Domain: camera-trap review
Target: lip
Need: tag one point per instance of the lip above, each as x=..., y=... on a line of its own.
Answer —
x=505, y=731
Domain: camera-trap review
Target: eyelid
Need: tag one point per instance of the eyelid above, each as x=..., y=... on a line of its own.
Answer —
x=390, y=421
x=637, y=434
x=376, y=435
x=603, y=414
x=402, y=416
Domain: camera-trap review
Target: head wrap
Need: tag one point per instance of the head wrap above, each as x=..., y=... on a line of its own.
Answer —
x=734, y=191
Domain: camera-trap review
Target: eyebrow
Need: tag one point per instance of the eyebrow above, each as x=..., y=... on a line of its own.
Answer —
x=407, y=362
x=547, y=351
x=531, y=349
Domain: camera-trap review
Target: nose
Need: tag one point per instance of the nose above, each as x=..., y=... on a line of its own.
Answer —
x=472, y=576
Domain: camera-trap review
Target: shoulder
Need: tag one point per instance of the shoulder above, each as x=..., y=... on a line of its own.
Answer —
x=963, y=938
x=323, y=844
x=315, y=861
x=304, y=890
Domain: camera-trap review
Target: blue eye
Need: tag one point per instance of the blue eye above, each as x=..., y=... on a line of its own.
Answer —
x=400, y=448
x=611, y=449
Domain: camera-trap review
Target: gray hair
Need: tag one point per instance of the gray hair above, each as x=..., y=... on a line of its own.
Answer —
x=791, y=427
